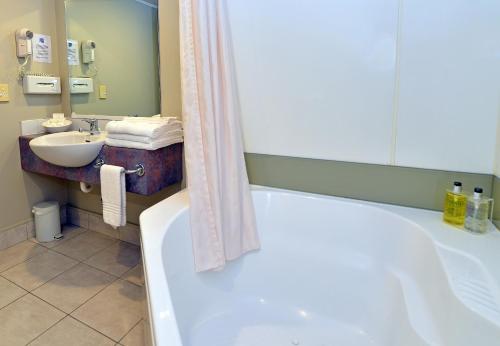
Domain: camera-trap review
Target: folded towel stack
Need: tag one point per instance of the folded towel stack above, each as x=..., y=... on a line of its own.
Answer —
x=144, y=132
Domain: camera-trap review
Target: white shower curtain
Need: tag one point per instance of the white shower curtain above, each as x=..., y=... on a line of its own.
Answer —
x=223, y=225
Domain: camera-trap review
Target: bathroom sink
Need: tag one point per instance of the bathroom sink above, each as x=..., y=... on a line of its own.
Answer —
x=68, y=149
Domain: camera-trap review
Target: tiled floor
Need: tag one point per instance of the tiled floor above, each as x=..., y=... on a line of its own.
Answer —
x=86, y=289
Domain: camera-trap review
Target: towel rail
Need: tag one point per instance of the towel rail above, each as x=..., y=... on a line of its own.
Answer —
x=140, y=170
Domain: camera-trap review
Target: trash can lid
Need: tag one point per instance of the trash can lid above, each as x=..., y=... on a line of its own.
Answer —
x=46, y=206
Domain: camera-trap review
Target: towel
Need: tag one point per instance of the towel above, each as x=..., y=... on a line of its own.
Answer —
x=153, y=119
x=152, y=128
x=152, y=145
x=144, y=139
x=113, y=195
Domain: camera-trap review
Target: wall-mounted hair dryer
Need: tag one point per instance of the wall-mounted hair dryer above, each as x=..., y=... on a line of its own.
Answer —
x=23, y=42
x=88, y=51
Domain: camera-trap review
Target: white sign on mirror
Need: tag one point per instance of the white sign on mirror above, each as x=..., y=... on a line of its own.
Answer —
x=73, y=53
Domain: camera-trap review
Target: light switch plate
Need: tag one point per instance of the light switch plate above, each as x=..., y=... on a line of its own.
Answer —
x=103, y=92
x=4, y=93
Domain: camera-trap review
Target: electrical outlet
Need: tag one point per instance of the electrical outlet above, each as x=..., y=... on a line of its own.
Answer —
x=4, y=93
x=103, y=92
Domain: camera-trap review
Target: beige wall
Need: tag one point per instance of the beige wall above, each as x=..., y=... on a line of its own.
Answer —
x=126, y=35
x=170, y=68
x=19, y=190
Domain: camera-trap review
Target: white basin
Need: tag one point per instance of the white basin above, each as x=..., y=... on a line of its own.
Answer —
x=68, y=149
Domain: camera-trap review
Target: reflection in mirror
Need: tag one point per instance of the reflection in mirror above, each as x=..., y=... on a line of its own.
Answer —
x=113, y=60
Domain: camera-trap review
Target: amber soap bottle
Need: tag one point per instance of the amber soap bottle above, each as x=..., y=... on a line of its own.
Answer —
x=455, y=205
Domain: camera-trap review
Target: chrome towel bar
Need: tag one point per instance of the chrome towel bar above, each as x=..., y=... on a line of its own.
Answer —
x=140, y=170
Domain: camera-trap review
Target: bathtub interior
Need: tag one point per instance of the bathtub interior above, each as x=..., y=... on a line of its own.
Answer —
x=329, y=273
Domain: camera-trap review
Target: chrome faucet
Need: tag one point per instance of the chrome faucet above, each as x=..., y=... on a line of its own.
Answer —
x=94, y=125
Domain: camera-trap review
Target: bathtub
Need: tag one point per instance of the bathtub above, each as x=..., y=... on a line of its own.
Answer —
x=331, y=271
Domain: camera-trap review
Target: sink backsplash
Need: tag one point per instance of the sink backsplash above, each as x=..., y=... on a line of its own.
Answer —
x=78, y=120
x=34, y=126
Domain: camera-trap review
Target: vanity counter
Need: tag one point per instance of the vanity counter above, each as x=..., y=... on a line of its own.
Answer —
x=163, y=167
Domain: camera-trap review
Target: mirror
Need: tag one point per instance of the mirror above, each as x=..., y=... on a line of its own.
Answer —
x=113, y=57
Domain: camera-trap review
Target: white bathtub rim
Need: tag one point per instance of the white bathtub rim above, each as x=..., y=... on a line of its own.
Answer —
x=163, y=214
x=160, y=217
x=407, y=214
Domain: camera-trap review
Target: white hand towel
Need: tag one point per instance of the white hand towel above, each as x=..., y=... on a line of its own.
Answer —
x=144, y=139
x=143, y=128
x=153, y=145
x=113, y=195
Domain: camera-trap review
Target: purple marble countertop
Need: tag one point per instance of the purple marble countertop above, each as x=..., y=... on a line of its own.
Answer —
x=163, y=166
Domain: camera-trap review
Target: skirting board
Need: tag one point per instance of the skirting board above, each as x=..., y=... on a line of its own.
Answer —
x=94, y=222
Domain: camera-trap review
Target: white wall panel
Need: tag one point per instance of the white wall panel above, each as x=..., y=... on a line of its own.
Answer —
x=316, y=77
x=449, y=92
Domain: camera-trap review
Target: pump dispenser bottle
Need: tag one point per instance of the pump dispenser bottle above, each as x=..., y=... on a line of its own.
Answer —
x=478, y=210
x=455, y=205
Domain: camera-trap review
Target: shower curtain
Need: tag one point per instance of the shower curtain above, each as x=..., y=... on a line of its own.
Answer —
x=223, y=225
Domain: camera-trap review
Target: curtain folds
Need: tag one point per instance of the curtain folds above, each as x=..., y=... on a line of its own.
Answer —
x=222, y=215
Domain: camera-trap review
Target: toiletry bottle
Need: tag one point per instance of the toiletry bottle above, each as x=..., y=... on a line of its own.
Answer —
x=455, y=205
x=478, y=209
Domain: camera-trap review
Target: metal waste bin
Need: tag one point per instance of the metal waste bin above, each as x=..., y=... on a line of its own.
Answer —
x=47, y=221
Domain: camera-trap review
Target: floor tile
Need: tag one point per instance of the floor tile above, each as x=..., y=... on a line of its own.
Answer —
x=39, y=269
x=135, y=275
x=19, y=253
x=135, y=337
x=84, y=245
x=9, y=292
x=116, y=259
x=74, y=287
x=71, y=332
x=25, y=319
x=115, y=310
x=68, y=231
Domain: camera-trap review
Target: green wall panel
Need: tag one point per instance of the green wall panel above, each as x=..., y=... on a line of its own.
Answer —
x=413, y=187
x=496, y=197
